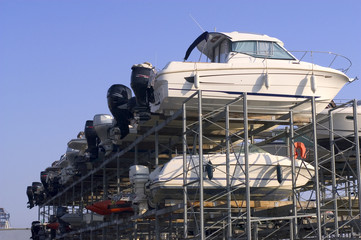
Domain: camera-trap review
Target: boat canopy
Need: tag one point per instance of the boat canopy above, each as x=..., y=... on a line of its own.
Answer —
x=212, y=45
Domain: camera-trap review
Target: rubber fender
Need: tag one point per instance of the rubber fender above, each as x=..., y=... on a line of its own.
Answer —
x=209, y=169
x=279, y=173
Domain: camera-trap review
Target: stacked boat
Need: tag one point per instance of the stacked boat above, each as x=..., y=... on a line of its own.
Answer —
x=270, y=177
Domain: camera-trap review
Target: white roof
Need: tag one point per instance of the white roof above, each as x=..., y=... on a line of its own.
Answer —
x=214, y=38
x=238, y=36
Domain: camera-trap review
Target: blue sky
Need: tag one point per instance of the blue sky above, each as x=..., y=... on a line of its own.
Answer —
x=58, y=59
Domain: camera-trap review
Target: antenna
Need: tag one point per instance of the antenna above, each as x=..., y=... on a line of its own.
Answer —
x=197, y=23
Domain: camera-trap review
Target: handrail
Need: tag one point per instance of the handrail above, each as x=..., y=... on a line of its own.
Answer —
x=335, y=56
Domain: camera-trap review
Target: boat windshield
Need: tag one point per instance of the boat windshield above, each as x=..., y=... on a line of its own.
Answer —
x=261, y=49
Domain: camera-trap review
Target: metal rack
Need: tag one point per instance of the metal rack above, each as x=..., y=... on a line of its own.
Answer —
x=307, y=214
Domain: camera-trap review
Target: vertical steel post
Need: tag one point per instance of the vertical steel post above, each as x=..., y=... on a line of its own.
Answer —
x=288, y=152
x=136, y=154
x=317, y=180
x=157, y=230
x=43, y=214
x=200, y=142
x=228, y=177
x=73, y=197
x=333, y=169
x=104, y=184
x=156, y=147
x=82, y=195
x=118, y=175
x=92, y=201
x=248, y=187
x=293, y=166
x=357, y=152
x=185, y=172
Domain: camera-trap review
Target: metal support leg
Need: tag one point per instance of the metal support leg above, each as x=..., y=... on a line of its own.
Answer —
x=156, y=148
x=294, y=193
x=104, y=184
x=246, y=160
x=185, y=172
x=317, y=180
x=357, y=152
x=228, y=177
x=157, y=232
x=136, y=155
x=200, y=142
x=333, y=169
x=118, y=175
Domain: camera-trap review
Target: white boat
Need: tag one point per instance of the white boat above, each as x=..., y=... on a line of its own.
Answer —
x=343, y=127
x=241, y=62
x=78, y=219
x=270, y=176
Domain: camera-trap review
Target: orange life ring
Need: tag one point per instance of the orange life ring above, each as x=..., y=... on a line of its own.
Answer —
x=301, y=148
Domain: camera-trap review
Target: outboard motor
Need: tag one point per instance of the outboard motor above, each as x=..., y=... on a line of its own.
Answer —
x=54, y=183
x=91, y=138
x=142, y=81
x=29, y=193
x=43, y=179
x=118, y=97
x=138, y=177
x=102, y=124
x=38, y=191
x=35, y=228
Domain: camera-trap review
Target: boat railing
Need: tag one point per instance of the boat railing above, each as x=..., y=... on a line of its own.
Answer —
x=330, y=59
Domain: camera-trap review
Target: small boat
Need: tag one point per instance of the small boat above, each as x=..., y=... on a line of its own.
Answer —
x=236, y=63
x=74, y=219
x=270, y=176
x=92, y=217
x=343, y=127
x=79, y=144
x=107, y=207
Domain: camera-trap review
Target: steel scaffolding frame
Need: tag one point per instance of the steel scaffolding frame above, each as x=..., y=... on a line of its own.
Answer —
x=202, y=218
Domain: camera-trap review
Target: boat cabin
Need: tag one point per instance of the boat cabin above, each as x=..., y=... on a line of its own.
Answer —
x=221, y=47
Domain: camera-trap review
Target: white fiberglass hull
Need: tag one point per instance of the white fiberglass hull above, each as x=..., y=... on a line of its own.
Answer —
x=272, y=88
x=167, y=182
x=343, y=122
x=343, y=128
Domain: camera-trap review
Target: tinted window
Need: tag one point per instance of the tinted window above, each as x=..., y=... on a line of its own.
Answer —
x=261, y=49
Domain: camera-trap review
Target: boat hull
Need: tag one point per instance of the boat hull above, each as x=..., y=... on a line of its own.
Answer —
x=270, y=177
x=271, y=89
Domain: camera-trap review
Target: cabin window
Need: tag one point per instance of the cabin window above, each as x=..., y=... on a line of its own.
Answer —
x=261, y=49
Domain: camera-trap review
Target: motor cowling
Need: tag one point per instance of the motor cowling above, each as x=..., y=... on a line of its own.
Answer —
x=142, y=81
x=43, y=178
x=118, y=97
x=29, y=193
x=91, y=138
x=36, y=187
x=138, y=177
x=102, y=123
x=38, y=192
